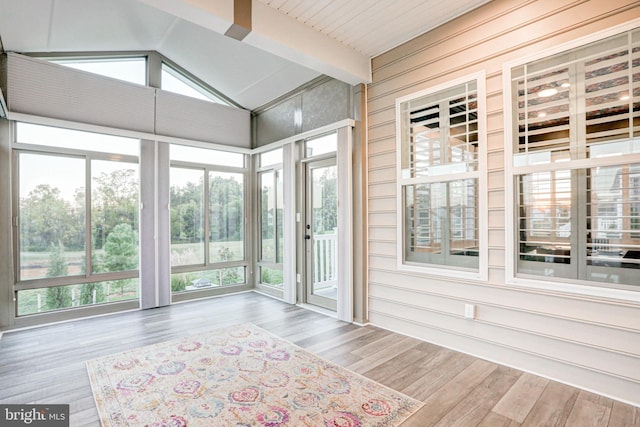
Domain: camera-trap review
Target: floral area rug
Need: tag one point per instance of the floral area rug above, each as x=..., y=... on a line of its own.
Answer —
x=237, y=376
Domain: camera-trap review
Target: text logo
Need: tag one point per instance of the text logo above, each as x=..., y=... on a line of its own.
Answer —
x=34, y=415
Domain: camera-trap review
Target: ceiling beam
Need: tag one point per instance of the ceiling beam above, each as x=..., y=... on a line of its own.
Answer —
x=273, y=32
x=241, y=26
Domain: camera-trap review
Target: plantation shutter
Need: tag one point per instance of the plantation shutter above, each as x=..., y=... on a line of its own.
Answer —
x=568, y=104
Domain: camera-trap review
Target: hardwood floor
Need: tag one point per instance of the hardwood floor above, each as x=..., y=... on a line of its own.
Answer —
x=47, y=365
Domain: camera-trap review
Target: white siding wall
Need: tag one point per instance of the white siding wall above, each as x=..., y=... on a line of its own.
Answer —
x=589, y=342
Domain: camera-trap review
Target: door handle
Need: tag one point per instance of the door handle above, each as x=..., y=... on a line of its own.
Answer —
x=307, y=237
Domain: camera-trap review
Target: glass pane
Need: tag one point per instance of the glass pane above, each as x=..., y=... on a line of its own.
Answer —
x=279, y=216
x=440, y=132
x=322, y=145
x=206, y=156
x=40, y=300
x=176, y=82
x=51, y=216
x=226, y=210
x=580, y=97
x=608, y=96
x=114, y=216
x=441, y=223
x=187, y=216
x=324, y=223
x=545, y=219
x=207, y=279
x=270, y=158
x=463, y=214
x=132, y=70
x=425, y=210
x=268, y=216
x=543, y=111
x=272, y=277
x=66, y=138
x=613, y=213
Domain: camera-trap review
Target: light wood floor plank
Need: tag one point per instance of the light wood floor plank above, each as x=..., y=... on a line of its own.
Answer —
x=624, y=415
x=519, y=400
x=588, y=412
x=439, y=404
x=478, y=403
x=553, y=407
x=496, y=420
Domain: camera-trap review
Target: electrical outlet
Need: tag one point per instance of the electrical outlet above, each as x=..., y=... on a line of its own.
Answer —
x=470, y=311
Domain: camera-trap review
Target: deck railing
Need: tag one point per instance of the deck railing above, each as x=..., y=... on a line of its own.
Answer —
x=325, y=250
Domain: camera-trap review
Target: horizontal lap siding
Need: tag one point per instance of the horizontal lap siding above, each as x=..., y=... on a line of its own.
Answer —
x=592, y=343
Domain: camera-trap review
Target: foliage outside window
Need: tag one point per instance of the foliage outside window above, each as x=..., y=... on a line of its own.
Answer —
x=576, y=163
x=271, y=213
x=207, y=219
x=439, y=177
x=77, y=215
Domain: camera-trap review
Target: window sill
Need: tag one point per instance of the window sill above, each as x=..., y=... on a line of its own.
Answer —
x=445, y=272
x=585, y=289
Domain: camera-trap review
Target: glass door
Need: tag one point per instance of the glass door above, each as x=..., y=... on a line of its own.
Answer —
x=320, y=233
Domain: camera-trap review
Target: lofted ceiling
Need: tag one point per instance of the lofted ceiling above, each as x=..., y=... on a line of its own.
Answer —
x=290, y=41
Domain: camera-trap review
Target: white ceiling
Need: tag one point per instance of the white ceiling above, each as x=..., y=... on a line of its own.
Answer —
x=372, y=27
x=292, y=41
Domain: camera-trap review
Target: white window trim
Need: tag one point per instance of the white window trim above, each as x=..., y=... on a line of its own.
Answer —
x=482, y=274
x=585, y=288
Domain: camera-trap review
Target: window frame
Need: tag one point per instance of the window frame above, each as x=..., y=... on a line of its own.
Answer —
x=513, y=171
x=188, y=79
x=275, y=168
x=480, y=273
x=208, y=265
x=89, y=277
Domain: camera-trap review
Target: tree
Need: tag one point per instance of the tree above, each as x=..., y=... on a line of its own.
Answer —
x=121, y=251
x=186, y=212
x=47, y=219
x=86, y=293
x=114, y=201
x=225, y=209
x=59, y=296
x=329, y=211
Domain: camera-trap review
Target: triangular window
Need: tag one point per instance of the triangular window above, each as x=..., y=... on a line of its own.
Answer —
x=177, y=82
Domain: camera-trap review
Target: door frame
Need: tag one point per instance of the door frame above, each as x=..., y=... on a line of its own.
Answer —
x=308, y=238
x=345, y=291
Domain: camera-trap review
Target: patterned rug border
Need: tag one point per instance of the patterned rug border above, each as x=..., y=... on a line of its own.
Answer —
x=249, y=325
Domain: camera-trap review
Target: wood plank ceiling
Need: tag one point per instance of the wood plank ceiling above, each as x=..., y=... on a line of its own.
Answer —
x=372, y=27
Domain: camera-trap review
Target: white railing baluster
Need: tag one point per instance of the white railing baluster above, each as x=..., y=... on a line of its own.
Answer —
x=325, y=258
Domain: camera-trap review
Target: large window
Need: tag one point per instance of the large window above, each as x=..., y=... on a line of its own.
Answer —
x=576, y=163
x=439, y=176
x=207, y=218
x=271, y=212
x=77, y=217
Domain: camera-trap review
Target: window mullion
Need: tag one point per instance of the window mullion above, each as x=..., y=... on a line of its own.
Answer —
x=446, y=158
x=275, y=214
x=577, y=113
x=88, y=238
x=207, y=217
x=579, y=226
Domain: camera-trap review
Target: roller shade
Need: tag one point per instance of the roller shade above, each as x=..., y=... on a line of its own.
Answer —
x=44, y=89
x=190, y=118
x=41, y=88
